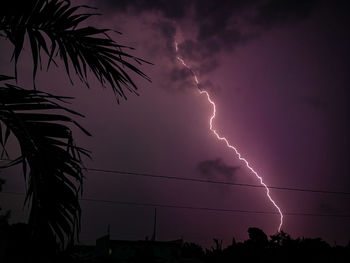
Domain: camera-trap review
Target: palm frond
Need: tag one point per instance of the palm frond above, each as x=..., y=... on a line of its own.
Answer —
x=52, y=26
x=42, y=128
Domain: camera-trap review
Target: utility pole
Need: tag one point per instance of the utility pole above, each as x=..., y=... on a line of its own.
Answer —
x=155, y=225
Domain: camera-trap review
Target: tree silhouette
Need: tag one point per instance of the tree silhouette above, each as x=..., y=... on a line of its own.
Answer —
x=282, y=239
x=48, y=149
x=191, y=250
x=3, y=216
x=52, y=164
x=257, y=237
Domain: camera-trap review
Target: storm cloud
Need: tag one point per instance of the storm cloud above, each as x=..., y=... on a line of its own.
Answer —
x=219, y=27
x=216, y=167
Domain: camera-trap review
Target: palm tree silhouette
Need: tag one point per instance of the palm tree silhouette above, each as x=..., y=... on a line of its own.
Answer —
x=51, y=161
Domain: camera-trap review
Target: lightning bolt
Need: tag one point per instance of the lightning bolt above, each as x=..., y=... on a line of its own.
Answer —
x=221, y=138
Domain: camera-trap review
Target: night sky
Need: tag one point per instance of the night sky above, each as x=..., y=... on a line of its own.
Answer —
x=279, y=74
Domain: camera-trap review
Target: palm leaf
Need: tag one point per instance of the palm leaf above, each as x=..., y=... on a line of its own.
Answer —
x=42, y=128
x=53, y=26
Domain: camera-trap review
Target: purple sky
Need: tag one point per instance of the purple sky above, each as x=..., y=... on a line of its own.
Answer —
x=279, y=76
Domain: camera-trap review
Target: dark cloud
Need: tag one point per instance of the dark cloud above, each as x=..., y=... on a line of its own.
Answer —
x=316, y=103
x=204, y=53
x=217, y=27
x=217, y=23
x=215, y=167
x=179, y=78
x=180, y=74
x=276, y=12
x=170, y=9
x=167, y=30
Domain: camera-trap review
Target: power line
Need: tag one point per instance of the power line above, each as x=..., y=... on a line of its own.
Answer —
x=178, y=178
x=209, y=208
x=217, y=182
x=176, y=206
x=145, y=204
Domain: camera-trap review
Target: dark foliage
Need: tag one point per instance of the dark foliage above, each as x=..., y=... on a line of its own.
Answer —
x=51, y=161
x=54, y=28
x=48, y=149
x=279, y=248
